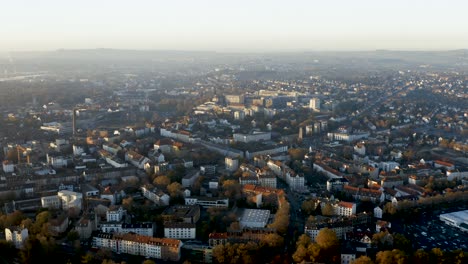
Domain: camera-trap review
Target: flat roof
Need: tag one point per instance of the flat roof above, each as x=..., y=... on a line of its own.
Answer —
x=458, y=217
x=255, y=215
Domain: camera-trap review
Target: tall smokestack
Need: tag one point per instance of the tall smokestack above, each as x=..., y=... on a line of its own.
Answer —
x=74, y=121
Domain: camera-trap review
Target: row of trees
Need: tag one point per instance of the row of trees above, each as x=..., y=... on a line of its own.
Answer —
x=265, y=251
x=325, y=248
x=434, y=256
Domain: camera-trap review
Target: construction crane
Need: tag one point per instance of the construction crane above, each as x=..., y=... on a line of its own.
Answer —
x=23, y=150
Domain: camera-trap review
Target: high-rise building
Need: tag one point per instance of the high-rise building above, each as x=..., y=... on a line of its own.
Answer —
x=314, y=104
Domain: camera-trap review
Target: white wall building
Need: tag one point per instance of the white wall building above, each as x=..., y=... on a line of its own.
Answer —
x=70, y=199
x=116, y=214
x=232, y=164
x=16, y=235
x=345, y=208
x=8, y=166
x=51, y=202
x=134, y=244
x=179, y=230
x=144, y=229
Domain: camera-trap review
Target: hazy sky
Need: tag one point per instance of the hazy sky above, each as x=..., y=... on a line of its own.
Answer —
x=238, y=25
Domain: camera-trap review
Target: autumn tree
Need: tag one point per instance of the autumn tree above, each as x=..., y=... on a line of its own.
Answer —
x=329, y=245
x=383, y=240
x=363, y=260
x=391, y=256
x=232, y=189
x=420, y=257
x=162, y=181
x=281, y=221
x=175, y=189
x=328, y=210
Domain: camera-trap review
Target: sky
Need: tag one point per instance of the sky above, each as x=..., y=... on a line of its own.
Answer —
x=228, y=25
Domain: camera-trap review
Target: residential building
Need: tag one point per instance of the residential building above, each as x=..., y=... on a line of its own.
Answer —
x=8, y=166
x=115, y=214
x=336, y=184
x=179, y=230
x=378, y=212
x=51, y=202
x=144, y=229
x=155, y=195
x=17, y=235
x=345, y=208
x=134, y=244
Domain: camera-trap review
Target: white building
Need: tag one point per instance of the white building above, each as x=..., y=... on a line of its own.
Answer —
x=144, y=229
x=51, y=202
x=179, y=230
x=267, y=180
x=232, y=164
x=16, y=235
x=314, y=104
x=70, y=199
x=189, y=179
x=8, y=166
x=388, y=165
x=254, y=218
x=115, y=215
x=345, y=208
x=156, y=196
x=255, y=137
x=457, y=219
x=378, y=212
x=295, y=181
x=134, y=244
x=78, y=150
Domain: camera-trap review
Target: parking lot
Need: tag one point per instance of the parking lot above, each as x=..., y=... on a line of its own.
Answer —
x=433, y=233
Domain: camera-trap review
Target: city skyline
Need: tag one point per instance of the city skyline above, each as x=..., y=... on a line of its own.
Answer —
x=234, y=26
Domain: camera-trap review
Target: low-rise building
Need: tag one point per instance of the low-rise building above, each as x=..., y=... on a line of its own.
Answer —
x=254, y=218
x=134, y=244
x=207, y=202
x=179, y=230
x=144, y=229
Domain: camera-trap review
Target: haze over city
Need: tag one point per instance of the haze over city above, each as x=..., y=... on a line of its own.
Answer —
x=260, y=26
x=233, y=132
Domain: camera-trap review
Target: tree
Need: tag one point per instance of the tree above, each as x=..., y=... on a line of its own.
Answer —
x=232, y=189
x=363, y=260
x=328, y=210
x=383, y=240
x=162, y=181
x=329, y=245
x=402, y=243
x=393, y=256
x=73, y=235
x=174, y=189
x=297, y=153
x=273, y=241
x=309, y=206
x=300, y=254
x=420, y=257
x=149, y=261
x=326, y=238
x=127, y=203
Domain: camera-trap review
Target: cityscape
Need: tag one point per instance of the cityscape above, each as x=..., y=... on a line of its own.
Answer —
x=172, y=154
